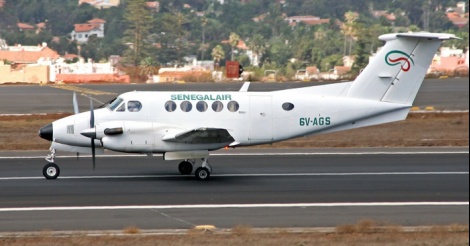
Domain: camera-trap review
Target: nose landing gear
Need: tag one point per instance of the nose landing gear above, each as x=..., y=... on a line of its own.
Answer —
x=51, y=170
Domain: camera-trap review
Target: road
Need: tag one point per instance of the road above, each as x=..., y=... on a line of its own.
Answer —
x=261, y=188
x=445, y=94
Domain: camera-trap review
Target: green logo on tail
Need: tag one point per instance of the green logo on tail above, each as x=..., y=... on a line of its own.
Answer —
x=396, y=57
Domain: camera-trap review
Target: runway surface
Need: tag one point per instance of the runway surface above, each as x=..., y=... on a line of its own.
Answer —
x=260, y=188
x=443, y=94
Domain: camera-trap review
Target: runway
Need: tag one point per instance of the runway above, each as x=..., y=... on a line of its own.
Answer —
x=260, y=188
x=442, y=94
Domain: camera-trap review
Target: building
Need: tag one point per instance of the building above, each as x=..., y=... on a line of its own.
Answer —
x=19, y=54
x=307, y=20
x=82, y=32
x=101, y=4
x=2, y=3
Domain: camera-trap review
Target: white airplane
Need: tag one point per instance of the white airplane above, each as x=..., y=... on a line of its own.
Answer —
x=188, y=125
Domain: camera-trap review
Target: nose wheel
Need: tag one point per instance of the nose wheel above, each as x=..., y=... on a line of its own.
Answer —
x=51, y=171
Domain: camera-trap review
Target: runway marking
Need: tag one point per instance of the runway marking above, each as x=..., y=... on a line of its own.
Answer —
x=257, y=154
x=214, y=206
x=245, y=175
x=82, y=90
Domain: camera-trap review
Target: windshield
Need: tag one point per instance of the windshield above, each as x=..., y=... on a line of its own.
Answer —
x=113, y=105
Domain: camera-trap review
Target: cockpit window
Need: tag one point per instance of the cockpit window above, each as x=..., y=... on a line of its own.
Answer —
x=121, y=108
x=134, y=106
x=115, y=103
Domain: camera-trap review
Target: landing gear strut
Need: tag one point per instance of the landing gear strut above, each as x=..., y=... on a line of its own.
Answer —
x=204, y=172
x=51, y=170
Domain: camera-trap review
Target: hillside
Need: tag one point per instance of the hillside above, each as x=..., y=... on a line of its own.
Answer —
x=314, y=32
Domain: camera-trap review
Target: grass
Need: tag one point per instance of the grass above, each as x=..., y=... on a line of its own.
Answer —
x=364, y=232
x=420, y=129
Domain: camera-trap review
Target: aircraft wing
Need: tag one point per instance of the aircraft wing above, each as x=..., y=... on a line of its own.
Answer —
x=201, y=136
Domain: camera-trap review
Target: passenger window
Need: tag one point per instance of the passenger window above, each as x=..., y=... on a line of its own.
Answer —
x=233, y=106
x=121, y=108
x=202, y=106
x=287, y=106
x=217, y=106
x=134, y=106
x=186, y=106
x=170, y=106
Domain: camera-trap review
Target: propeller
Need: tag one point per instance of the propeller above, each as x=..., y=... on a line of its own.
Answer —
x=76, y=111
x=92, y=125
x=75, y=103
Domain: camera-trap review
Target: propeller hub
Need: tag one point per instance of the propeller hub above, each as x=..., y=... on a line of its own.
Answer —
x=47, y=132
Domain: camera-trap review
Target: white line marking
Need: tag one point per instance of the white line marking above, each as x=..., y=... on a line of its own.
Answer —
x=256, y=154
x=244, y=175
x=213, y=206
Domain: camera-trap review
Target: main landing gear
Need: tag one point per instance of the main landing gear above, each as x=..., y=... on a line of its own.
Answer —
x=201, y=173
x=51, y=170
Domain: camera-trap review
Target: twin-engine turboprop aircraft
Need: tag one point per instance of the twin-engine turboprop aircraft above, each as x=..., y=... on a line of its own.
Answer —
x=188, y=125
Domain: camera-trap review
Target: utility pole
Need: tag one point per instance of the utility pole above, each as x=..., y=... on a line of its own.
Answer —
x=426, y=15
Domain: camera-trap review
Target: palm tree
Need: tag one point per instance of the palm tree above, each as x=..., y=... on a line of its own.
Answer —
x=234, y=39
x=217, y=54
x=257, y=45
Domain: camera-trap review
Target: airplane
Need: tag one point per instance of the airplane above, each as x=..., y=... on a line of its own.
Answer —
x=188, y=125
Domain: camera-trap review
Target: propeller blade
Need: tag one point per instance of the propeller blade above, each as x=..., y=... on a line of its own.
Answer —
x=93, y=153
x=92, y=125
x=92, y=114
x=75, y=103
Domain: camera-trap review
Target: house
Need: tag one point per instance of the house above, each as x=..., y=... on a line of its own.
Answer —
x=307, y=20
x=154, y=6
x=101, y=4
x=381, y=13
x=458, y=15
x=25, y=27
x=25, y=64
x=449, y=60
x=27, y=54
x=82, y=32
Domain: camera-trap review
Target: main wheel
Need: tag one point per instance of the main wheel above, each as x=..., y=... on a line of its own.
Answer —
x=185, y=168
x=51, y=171
x=202, y=173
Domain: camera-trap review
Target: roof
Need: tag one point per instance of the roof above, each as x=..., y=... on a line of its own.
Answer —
x=28, y=56
x=241, y=44
x=85, y=27
x=153, y=5
x=25, y=26
x=308, y=20
x=96, y=21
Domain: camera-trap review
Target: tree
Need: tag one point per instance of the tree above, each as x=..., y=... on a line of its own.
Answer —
x=218, y=54
x=257, y=44
x=139, y=24
x=233, y=40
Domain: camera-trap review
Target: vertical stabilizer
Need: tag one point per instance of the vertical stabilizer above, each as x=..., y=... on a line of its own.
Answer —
x=397, y=71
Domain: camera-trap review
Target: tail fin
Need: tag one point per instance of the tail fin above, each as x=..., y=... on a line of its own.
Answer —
x=396, y=73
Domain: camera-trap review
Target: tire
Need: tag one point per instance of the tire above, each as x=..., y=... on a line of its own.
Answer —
x=185, y=168
x=51, y=171
x=202, y=173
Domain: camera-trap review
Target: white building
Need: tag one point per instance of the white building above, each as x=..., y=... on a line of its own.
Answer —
x=82, y=32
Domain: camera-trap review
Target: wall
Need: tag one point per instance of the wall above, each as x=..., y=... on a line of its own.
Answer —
x=92, y=78
x=29, y=74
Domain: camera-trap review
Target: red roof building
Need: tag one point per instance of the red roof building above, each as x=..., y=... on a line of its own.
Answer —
x=28, y=54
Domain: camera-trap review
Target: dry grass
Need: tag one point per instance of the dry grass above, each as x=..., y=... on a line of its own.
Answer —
x=365, y=232
x=430, y=129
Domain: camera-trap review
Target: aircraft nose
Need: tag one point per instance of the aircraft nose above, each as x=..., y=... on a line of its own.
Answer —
x=46, y=132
